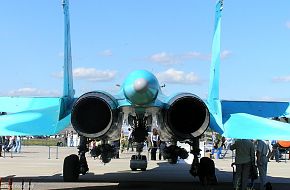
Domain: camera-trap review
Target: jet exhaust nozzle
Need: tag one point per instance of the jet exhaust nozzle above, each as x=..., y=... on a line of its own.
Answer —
x=94, y=114
x=187, y=116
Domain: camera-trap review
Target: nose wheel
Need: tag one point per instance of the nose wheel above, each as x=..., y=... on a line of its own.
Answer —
x=138, y=162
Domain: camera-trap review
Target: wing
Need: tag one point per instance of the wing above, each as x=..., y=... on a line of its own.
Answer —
x=31, y=116
x=250, y=120
x=242, y=119
x=247, y=126
x=258, y=108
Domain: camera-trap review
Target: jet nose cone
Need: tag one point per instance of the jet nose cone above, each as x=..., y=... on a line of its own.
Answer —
x=141, y=85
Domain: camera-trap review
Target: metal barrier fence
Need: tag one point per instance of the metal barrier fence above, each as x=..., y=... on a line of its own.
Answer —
x=5, y=152
x=50, y=151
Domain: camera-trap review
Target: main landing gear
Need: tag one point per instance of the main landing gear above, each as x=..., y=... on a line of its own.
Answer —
x=77, y=164
x=173, y=152
x=74, y=165
x=195, y=166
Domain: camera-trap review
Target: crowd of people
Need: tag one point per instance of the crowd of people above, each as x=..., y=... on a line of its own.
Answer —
x=250, y=155
x=251, y=159
x=10, y=143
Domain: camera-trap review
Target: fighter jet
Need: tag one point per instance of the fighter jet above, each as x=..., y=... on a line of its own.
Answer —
x=182, y=117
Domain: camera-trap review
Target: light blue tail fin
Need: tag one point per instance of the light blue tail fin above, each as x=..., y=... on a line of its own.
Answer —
x=213, y=96
x=68, y=91
x=215, y=59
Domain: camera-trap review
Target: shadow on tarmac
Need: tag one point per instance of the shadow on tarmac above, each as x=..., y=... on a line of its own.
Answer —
x=162, y=177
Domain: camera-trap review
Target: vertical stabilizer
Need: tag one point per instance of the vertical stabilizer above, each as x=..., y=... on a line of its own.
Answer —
x=68, y=91
x=215, y=59
x=213, y=95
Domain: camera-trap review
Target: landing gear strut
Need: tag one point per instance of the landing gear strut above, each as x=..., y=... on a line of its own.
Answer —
x=173, y=152
x=74, y=165
x=194, y=145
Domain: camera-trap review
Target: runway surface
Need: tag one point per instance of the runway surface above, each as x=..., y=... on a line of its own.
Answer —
x=34, y=165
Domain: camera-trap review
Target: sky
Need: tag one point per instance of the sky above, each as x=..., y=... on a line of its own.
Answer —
x=172, y=39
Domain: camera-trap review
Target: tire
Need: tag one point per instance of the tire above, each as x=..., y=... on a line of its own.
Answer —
x=71, y=168
x=143, y=169
x=134, y=169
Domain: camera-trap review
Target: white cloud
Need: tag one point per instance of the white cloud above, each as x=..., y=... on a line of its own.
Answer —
x=27, y=91
x=206, y=57
x=90, y=74
x=106, y=53
x=169, y=59
x=225, y=54
x=282, y=79
x=196, y=55
x=288, y=24
x=163, y=58
x=178, y=77
x=94, y=75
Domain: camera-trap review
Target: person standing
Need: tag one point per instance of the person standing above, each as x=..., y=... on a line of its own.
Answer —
x=154, y=143
x=1, y=143
x=130, y=140
x=18, y=144
x=71, y=137
x=6, y=143
x=122, y=141
x=262, y=162
x=245, y=156
x=275, y=151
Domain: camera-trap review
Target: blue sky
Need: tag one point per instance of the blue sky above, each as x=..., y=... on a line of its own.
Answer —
x=170, y=38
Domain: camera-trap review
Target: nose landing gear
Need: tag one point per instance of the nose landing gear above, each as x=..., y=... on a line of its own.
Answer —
x=139, y=135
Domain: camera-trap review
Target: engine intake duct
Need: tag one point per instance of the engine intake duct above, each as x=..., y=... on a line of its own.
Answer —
x=94, y=113
x=187, y=116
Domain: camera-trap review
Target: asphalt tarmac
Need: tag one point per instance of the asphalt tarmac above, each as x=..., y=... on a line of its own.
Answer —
x=34, y=168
